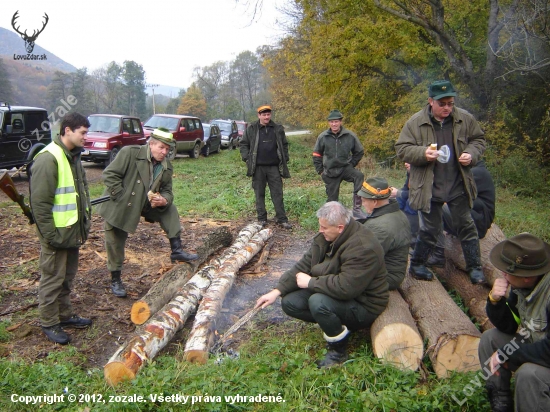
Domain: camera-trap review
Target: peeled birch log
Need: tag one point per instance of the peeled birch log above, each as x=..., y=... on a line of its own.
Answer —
x=162, y=327
x=474, y=296
x=201, y=338
x=453, y=251
x=167, y=286
x=452, y=338
x=394, y=335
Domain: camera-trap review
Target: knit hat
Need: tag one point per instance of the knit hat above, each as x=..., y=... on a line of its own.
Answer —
x=335, y=115
x=163, y=135
x=440, y=89
x=523, y=255
x=375, y=188
x=264, y=108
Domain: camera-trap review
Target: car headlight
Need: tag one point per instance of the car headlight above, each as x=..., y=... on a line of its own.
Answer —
x=101, y=145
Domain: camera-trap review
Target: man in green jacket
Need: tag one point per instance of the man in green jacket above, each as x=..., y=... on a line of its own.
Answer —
x=390, y=226
x=61, y=208
x=340, y=283
x=335, y=155
x=442, y=143
x=264, y=148
x=139, y=183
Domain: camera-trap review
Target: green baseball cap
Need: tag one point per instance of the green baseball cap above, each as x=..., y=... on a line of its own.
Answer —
x=440, y=89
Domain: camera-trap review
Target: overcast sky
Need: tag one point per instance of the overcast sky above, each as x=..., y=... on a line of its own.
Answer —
x=167, y=37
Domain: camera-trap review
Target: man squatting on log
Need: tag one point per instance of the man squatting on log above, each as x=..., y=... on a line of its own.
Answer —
x=436, y=179
x=139, y=183
x=521, y=340
x=340, y=283
x=61, y=208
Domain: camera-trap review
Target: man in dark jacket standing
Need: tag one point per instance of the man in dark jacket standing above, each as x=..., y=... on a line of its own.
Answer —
x=520, y=341
x=335, y=155
x=390, y=226
x=340, y=283
x=61, y=207
x=139, y=183
x=442, y=143
x=264, y=148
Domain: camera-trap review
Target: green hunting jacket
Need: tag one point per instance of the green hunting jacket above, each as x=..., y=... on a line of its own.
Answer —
x=127, y=180
x=352, y=267
x=42, y=191
x=392, y=229
x=418, y=133
x=249, y=148
x=333, y=152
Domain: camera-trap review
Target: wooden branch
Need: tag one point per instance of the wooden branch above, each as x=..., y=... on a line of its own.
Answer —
x=21, y=309
x=235, y=327
x=263, y=257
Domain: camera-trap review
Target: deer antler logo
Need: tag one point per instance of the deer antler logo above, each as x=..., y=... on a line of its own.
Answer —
x=29, y=40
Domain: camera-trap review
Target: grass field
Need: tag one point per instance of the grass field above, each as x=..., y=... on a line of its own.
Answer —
x=276, y=360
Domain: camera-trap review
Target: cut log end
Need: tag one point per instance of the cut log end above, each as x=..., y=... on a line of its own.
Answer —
x=140, y=312
x=116, y=372
x=458, y=354
x=196, y=356
x=399, y=345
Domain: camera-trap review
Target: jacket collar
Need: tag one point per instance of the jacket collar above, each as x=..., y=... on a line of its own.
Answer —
x=426, y=115
x=69, y=153
x=392, y=207
x=329, y=247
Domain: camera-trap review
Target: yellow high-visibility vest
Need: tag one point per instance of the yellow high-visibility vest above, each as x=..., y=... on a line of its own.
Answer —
x=65, y=211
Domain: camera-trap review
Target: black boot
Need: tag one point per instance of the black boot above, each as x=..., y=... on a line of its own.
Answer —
x=337, y=350
x=437, y=258
x=178, y=254
x=418, y=269
x=472, y=257
x=117, y=286
x=501, y=401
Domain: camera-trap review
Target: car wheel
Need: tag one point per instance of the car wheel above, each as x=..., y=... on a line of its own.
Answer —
x=114, y=152
x=206, y=150
x=230, y=146
x=195, y=152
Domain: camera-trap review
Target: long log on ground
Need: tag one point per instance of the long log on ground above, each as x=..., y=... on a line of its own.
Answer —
x=394, y=335
x=201, y=338
x=453, y=251
x=452, y=338
x=162, y=327
x=474, y=296
x=167, y=286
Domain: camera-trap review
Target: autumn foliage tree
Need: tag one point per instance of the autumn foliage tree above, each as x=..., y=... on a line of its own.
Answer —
x=193, y=103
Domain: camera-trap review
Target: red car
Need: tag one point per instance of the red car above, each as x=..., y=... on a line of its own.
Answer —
x=241, y=125
x=108, y=133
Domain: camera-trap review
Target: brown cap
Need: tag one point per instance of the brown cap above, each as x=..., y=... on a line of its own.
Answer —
x=523, y=255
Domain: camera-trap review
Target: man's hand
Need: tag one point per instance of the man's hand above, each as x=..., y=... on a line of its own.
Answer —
x=267, y=299
x=302, y=279
x=465, y=159
x=431, y=154
x=158, y=201
x=500, y=286
x=495, y=364
x=394, y=192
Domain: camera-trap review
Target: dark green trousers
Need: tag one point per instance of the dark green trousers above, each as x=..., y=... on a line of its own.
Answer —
x=328, y=312
x=58, y=269
x=269, y=175
x=115, y=238
x=349, y=174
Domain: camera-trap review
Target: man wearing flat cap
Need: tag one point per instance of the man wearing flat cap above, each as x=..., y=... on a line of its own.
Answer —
x=139, y=183
x=520, y=342
x=442, y=143
x=335, y=155
x=264, y=148
x=390, y=226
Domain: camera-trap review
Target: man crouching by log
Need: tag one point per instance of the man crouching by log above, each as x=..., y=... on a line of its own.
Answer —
x=340, y=283
x=139, y=182
x=521, y=340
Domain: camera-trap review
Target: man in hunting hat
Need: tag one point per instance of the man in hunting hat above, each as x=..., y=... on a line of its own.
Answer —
x=264, y=148
x=389, y=224
x=442, y=143
x=139, y=183
x=335, y=155
x=521, y=340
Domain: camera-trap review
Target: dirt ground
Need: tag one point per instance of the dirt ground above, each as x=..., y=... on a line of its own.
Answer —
x=147, y=258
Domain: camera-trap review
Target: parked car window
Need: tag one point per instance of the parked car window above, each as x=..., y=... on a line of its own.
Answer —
x=197, y=124
x=127, y=126
x=190, y=125
x=34, y=121
x=17, y=123
x=157, y=121
x=137, y=126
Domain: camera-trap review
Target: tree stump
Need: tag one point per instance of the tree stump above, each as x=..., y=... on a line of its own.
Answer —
x=394, y=335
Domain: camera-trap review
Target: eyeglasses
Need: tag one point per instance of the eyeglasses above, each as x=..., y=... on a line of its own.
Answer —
x=443, y=104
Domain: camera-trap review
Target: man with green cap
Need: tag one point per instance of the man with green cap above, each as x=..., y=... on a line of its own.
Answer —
x=335, y=155
x=390, y=226
x=139, y=183
x=520, y=341
x=442, y=143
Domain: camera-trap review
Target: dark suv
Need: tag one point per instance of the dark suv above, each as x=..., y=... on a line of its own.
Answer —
x=108, y=133
x=230, y=132
x=24, y=131
x=187, y=131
